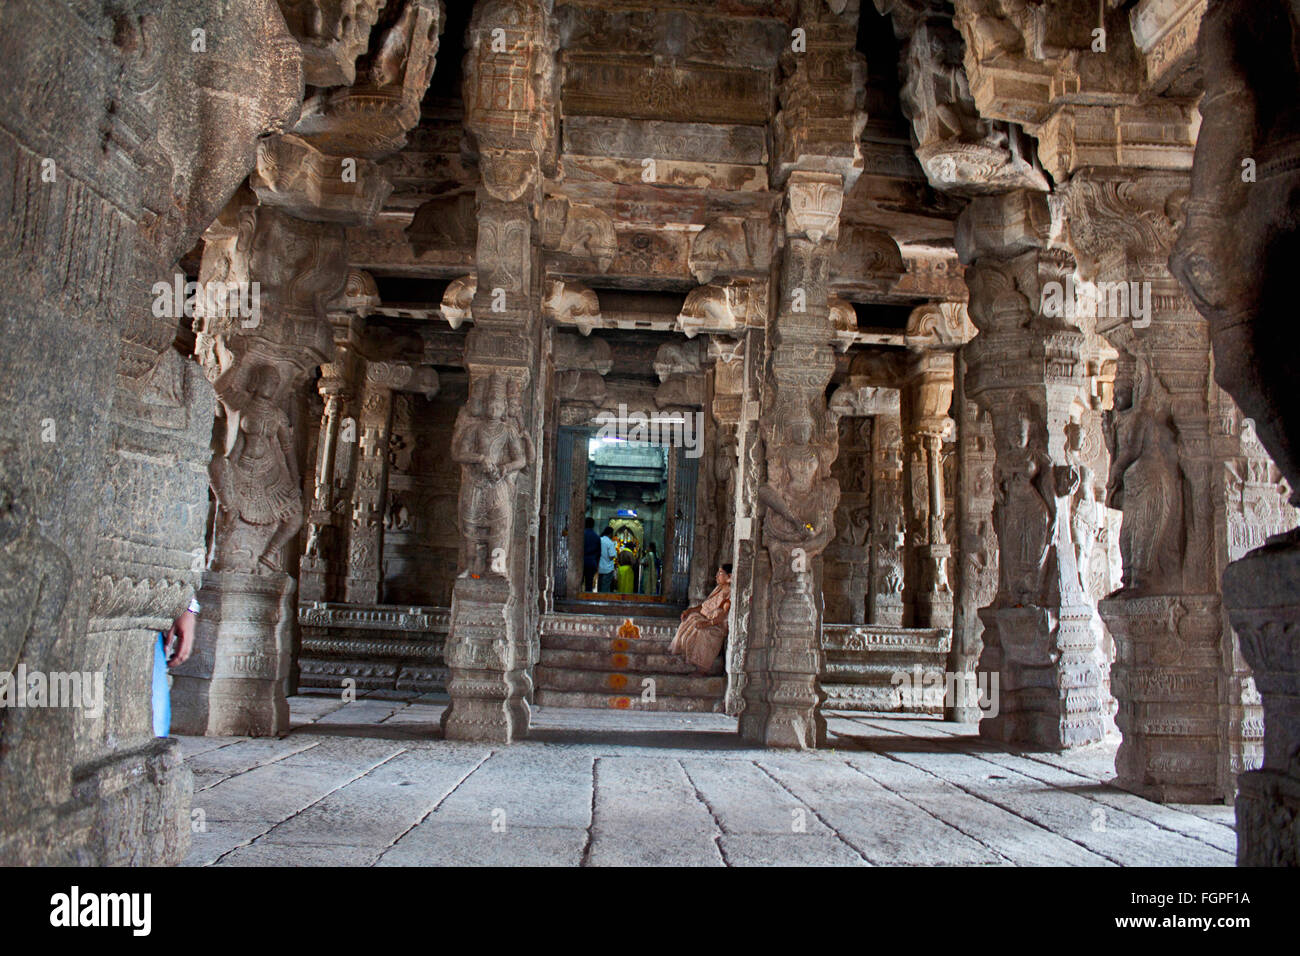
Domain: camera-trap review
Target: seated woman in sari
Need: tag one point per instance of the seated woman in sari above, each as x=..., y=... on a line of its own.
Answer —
x=703, y=630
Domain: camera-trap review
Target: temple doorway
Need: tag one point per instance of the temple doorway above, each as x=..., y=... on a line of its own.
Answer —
x=645, y=493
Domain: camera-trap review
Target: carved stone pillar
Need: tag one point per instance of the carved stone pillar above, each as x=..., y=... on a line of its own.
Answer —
x=929, y=398
x=235, y=682
x=310, y=183
x=752, y=359
x=888, y=524
x=1028, y=369
x=324, y=558
x=977, y=571
x=365, y=565
x=314, y=577
x=509, y=99
x=369, y=491
x=797, y=503
x=1173, y=674
x=1235, y=257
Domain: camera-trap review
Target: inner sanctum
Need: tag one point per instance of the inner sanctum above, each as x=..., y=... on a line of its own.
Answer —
x=929, y=355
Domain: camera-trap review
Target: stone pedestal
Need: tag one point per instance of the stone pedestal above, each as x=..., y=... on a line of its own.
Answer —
x=1260, y=591
x=235, y=683
x=1167, y=670
x=486, y=654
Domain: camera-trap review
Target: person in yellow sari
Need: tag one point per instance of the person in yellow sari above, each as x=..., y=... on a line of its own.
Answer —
x=703, y=630
x=625, y=577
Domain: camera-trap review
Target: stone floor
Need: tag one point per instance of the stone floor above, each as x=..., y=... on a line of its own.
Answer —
x=368, y=783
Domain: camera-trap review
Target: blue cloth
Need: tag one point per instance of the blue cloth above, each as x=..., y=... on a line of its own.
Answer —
x=608, y=552
x=590, y=546
x=162, y=694
x=606, y=581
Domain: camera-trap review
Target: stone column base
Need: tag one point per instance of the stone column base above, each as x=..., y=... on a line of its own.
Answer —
x=790, y=715
x=1268, y=819
x=1168, y=680
x=1260, y=591
x=489, y=682
x=235, y=684
x=128, y=809
x=1050, y=686
x=141, y=804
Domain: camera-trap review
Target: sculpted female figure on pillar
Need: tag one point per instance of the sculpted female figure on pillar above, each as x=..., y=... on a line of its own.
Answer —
x=1146, y=483
x=492, y=447
x=1085, y=520
x=799, y=524
x=256, y=482
x=1024, y=510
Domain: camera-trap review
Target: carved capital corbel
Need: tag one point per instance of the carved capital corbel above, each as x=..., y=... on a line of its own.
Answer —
x=572, y=304
x=812, y=205
x=458, y=300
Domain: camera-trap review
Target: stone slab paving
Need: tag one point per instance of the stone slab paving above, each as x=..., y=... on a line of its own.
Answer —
x=371, y=783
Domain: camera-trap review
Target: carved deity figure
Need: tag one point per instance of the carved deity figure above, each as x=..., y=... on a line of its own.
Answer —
x=1024, y=511
x=724, y=476
x=1146, y=484
x=492, y=447
x=256, y=481
x=1085, y=516
x=799, y=524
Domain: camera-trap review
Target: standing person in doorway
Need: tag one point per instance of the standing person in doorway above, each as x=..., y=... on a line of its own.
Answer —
x=608, y=553
x=650, y=570
x=590, y=554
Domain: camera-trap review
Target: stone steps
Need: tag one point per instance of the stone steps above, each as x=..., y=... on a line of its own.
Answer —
x=619, y=682
x=597, y=701
x=600, y=661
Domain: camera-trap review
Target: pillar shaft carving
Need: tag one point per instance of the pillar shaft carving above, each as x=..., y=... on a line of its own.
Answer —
x=1232, y=258
x=797, y=502
x=1029, y=370
x=509, y=110
x=888, y=528
x=258, y=363
x=929, y=398
x=1173, y=675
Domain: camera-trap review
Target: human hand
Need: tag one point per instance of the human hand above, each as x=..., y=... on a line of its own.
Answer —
x=182, y=634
